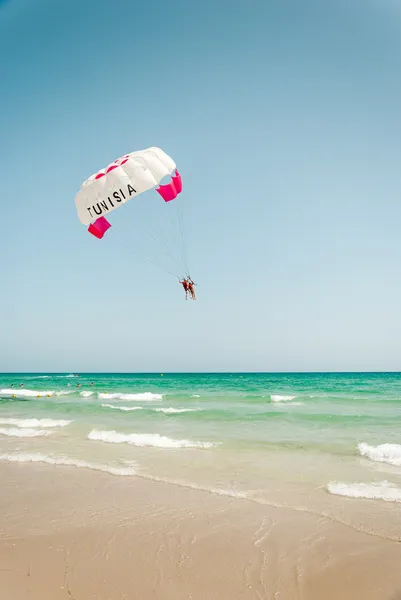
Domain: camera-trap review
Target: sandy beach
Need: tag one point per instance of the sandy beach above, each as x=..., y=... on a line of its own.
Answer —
x=246, y=445
x=67, y=533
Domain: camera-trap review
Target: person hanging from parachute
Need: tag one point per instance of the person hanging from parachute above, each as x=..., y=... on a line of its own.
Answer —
x=191, y=288
x=184, y=284
x=124, y=180
x=188, y=286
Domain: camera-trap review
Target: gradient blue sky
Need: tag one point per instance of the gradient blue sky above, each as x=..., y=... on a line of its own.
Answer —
x=284, y=117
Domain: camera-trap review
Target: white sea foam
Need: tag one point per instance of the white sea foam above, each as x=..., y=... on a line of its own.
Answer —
x=230, y=493
x=19, y=432
x=145, y=439
x=25, y=393
x=195, y=396
x=167, y=411
x=373, y=491
x=277, y=398
x=69, y=462
x=85, y=394
x=145, y=396
x=172, y=411
x=125, y=408
x=35, y=422
x=193, y=486
x=385, y=453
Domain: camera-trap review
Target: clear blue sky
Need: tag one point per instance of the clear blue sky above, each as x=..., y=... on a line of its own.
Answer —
x=284, y=117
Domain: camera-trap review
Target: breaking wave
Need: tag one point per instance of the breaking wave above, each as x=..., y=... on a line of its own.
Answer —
x=145, y=396
x=277, y=398
x=35, y=422
x=125, y=408
x=145, y=439
x=18, y=432
x=25, y=393
x=385, y=453
x=175, y=411
x=28, y=393
x=69, y=462
x=167, y=411
x=372, y=491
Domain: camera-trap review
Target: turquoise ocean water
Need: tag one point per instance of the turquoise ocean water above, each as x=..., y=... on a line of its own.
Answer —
x=328, y=443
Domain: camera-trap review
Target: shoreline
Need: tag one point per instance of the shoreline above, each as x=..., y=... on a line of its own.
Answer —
x=69, y=533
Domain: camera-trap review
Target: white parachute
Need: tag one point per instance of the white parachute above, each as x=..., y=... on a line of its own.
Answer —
x=125, y=179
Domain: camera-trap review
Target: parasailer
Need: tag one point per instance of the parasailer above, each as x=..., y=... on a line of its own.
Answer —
x=191, y=288
x=188, y=286
x=125, y=179
x=184, y=284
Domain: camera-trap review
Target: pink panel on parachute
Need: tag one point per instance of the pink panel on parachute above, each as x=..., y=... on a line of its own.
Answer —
x=177, y=182
x=171, y=190
x=99, y=227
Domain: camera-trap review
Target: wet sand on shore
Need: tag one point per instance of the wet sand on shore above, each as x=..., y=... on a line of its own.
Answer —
x=76, y=534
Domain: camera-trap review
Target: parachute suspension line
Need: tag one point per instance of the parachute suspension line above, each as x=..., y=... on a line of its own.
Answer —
x=167, y=248
x=160, y=243
x=180, y=221
x=183, y=239
x=156, y=262
x=175, y=218
x=157, y=255
x=171, y=211
x=175, y=256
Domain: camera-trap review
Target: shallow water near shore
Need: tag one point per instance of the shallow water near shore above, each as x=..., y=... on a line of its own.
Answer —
x=322, y=443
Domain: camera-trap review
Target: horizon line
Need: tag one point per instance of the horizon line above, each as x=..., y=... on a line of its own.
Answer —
x=197, y=372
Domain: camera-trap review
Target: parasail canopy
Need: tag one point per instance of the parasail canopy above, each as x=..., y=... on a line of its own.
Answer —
x=124, y=179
